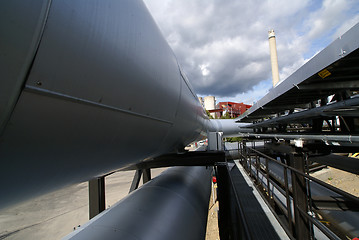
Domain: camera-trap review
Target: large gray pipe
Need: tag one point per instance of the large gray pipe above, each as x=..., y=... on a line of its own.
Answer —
x=172, y=206
x=81, y=83
x=87, y=87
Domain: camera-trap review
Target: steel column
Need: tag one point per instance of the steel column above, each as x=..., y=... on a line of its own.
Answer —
x=250, y=165
x=146, y=175
x=136, y=180
x=287, y=196
x=257, y=168
x=223, y=201
x=267, y=177
x=299, y=196
x=97, y=201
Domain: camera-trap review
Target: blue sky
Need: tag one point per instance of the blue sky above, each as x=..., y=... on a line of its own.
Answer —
x=223, y=47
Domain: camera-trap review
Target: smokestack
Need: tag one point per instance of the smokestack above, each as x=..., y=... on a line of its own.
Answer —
x=273, y=57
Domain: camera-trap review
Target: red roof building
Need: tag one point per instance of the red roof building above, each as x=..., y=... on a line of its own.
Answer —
x=232, y=108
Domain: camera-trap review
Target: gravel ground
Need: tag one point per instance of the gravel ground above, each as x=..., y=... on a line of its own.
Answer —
x=54, y=215
x=345, y=181
x=212, y=223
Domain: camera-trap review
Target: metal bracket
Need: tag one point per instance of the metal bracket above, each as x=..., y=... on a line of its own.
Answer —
x=136, y=179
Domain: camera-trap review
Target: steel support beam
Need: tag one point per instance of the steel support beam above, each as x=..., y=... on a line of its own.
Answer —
x=199, y=158
x=136, y=180
x=342, y=85
x=224, y=219
x=146, y=177
x=96, y=196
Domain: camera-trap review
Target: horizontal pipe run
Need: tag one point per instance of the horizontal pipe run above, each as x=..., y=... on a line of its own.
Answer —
x=309, y=113
x=324, y=138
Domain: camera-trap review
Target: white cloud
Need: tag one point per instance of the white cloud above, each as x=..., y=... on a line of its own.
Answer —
x=251, y=96
x=289, y=69
x=349, y=23
x=204, y=69
x=322, y=21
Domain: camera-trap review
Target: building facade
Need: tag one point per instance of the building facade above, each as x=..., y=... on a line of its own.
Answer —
x=232, y=108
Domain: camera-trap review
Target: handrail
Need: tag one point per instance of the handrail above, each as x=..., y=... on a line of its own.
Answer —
x=334, y=189
x=319, y=225
x=245, y=153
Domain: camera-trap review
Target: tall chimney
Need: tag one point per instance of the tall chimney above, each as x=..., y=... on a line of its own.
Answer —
x=273, y=57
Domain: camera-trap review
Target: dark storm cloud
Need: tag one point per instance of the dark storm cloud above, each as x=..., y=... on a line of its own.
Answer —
x=223, y=46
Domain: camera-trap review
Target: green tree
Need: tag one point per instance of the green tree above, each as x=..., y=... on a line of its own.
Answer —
x=226, y=116
x=209, y=114
x=234, y=139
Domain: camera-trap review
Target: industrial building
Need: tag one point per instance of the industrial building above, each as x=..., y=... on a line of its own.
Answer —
x=232, y=108
x=218, y=110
